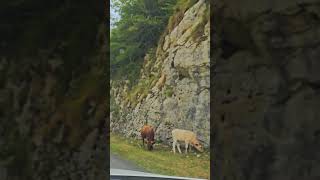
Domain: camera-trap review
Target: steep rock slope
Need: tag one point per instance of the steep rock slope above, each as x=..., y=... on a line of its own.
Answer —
x=266, y=94
x=173, y=90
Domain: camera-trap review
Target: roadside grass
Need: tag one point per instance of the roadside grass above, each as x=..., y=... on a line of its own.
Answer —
x=161, y=160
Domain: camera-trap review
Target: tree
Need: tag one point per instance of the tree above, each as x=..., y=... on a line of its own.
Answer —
x=138, y=29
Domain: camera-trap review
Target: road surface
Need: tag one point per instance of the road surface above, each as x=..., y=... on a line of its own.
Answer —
x=119, y=163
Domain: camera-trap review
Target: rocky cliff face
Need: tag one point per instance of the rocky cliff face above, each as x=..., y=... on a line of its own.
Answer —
x=53, y=91
x=173, y=90
x=266, y=95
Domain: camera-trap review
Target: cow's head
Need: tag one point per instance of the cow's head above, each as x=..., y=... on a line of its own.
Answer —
x=197, y=145
x=150, y=144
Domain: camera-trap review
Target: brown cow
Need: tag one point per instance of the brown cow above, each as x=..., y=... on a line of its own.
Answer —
x=147, y=132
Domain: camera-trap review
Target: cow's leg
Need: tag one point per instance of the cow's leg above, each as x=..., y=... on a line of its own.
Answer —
x=179, y=148
x=143, y=142
x=190, y=148
x=186, y=144
x=174, y=146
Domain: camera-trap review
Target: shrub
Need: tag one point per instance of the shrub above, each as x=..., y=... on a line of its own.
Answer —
x=168, y=91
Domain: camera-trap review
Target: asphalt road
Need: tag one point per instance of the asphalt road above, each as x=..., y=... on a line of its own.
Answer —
x=119, y=163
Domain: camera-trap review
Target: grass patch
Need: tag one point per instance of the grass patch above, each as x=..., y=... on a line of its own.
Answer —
x=168, y=91
x=178, y=13
x=198, y=30
x=141, y=90
x=181, y=7
x=184, y=5
x=161, y=160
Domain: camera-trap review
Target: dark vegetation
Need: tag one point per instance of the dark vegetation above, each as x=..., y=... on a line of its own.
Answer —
x=35, y=34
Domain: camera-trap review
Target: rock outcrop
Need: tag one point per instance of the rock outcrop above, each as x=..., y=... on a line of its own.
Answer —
x=175, y=82
x=266, y=96
x=53, y=91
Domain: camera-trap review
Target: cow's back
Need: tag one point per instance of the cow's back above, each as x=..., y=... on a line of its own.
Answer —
x=181, y=134
x=147, y=131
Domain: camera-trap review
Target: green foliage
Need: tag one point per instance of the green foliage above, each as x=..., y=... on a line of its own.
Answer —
x=179, y=9
x=168, y=91
x=141, y=90
x=138, y=30
x=198, y=31
x=184, y=5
